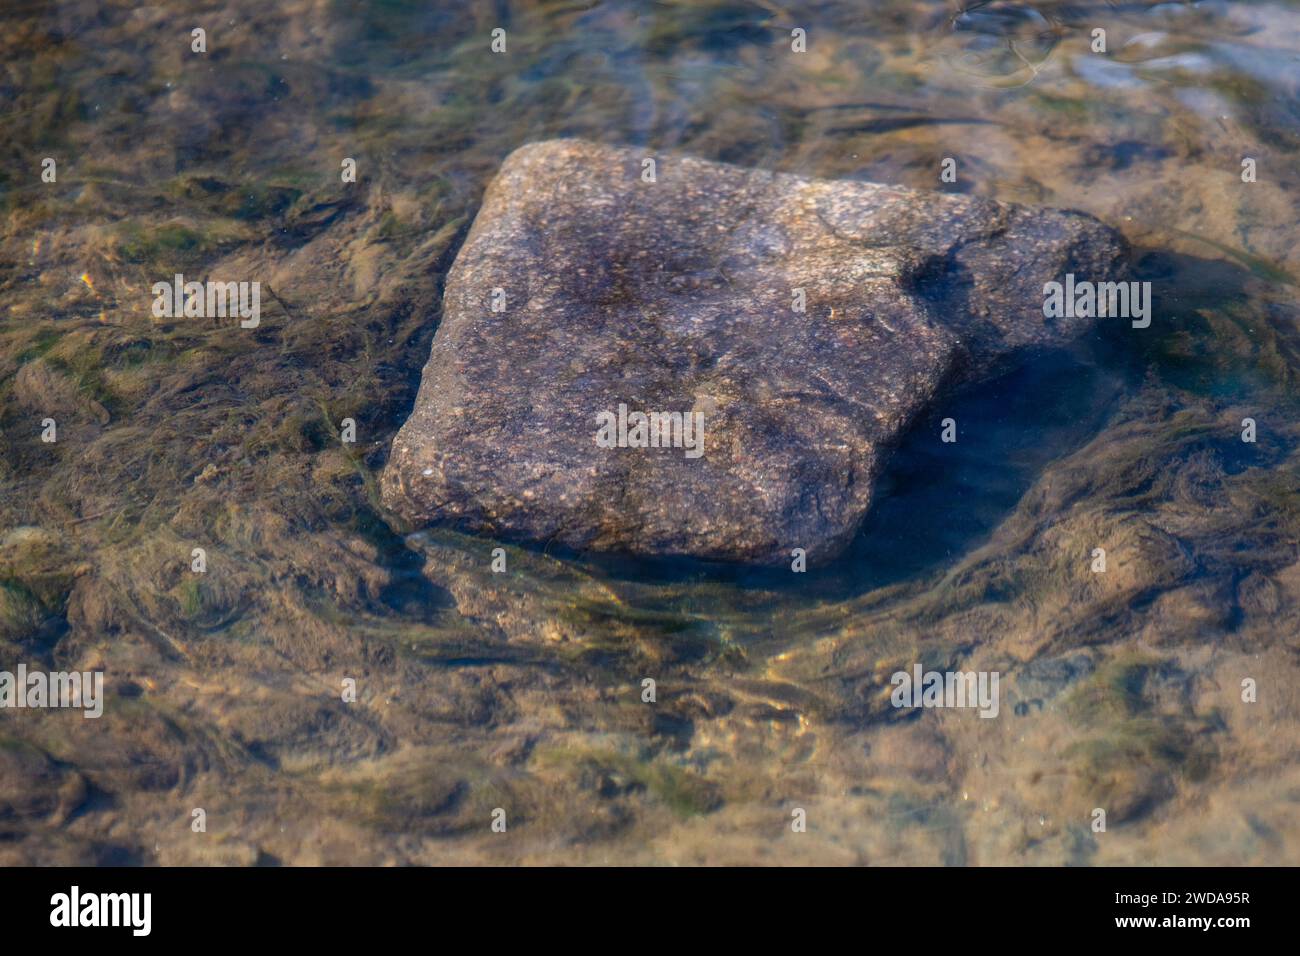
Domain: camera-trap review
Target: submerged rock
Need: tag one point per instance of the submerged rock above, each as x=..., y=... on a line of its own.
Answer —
x=591, y=289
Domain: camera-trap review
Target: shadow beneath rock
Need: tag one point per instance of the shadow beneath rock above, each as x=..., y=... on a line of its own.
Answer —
x=408, y=593
x=937, y=499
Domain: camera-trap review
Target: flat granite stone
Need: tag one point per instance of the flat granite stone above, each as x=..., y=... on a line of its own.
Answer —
x=677, y=296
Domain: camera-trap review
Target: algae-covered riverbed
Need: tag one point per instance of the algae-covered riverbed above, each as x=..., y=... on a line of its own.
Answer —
x=227, y=690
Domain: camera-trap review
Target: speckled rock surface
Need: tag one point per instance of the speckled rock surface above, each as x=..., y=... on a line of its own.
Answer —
x=677, y=296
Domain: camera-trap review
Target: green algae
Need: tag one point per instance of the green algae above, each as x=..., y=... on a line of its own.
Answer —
x=682, y=792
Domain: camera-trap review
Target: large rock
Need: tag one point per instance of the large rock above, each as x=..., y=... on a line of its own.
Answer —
x=677, y=296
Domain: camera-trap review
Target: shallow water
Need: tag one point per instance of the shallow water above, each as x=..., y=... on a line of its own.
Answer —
x=522, y=690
